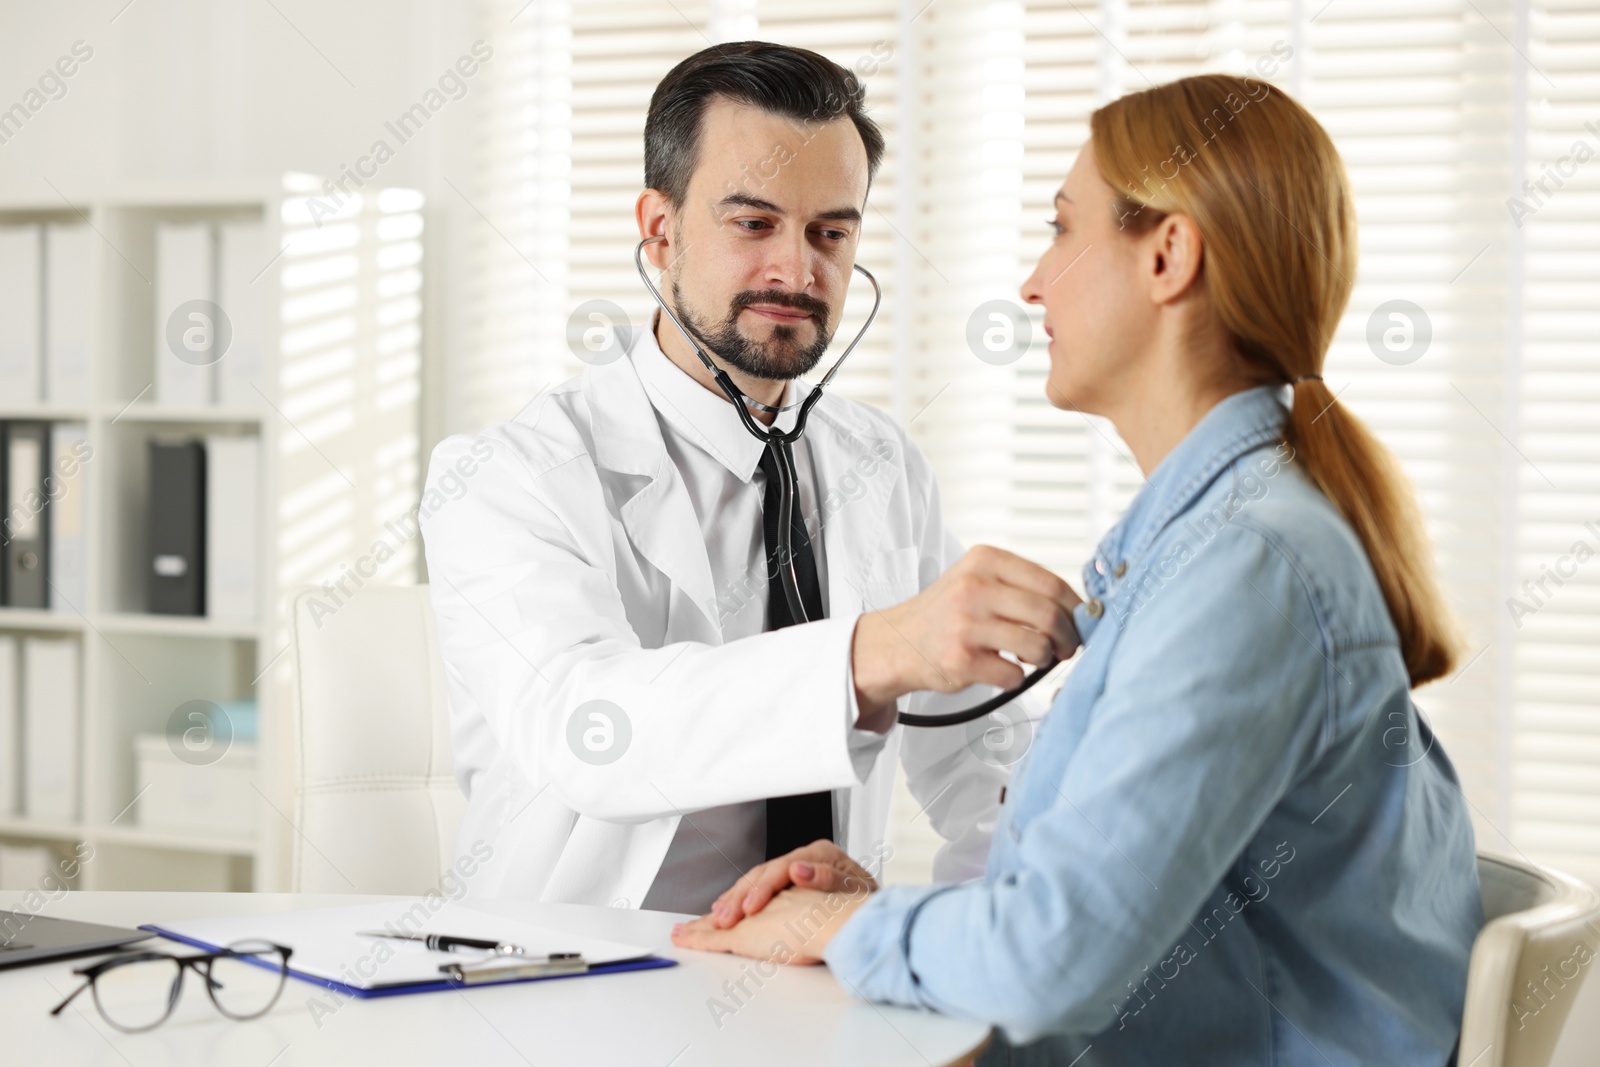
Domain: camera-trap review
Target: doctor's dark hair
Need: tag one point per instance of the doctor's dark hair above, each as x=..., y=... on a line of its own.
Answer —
x=795, y=83
x=1261, y=180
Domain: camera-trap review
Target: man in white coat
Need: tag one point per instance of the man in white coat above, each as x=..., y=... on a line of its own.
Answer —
x=636, y=718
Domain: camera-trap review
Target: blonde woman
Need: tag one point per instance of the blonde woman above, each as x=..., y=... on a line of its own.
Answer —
x=1233, y=840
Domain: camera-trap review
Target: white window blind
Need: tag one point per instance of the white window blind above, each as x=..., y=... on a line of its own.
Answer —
x=1553, y=722
x=517, y=212
x=563, y=163
x=1441, y=108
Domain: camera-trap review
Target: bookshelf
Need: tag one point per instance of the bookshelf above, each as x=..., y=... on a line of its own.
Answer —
x=334, y=410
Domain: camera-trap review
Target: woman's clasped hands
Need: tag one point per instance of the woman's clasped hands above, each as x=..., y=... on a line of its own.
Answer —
x=786, y=910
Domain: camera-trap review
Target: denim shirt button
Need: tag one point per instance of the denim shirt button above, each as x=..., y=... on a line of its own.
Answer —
x=1094, y=608
x=1122, y=568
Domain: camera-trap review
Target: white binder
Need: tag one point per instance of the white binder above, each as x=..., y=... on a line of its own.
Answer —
x=248, y=288
x=185, y=271
x=20, y=311
x=67, y=304
x=10, y=729
x=50, y=708
x=231, y=522
x=69, y=518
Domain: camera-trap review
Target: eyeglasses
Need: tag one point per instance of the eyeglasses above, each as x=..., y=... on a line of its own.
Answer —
x=137, y=991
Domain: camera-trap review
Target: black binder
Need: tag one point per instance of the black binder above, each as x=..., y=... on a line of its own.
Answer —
x=177, y=575
x=26, y=528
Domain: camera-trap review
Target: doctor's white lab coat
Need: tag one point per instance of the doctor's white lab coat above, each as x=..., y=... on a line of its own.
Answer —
x=568, y=577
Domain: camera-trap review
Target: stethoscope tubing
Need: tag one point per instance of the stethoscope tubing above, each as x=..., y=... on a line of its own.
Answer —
x=781, y=444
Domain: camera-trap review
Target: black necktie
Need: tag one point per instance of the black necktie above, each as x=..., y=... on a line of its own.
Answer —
x=797, y=820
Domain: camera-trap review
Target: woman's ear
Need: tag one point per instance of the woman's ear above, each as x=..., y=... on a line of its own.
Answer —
x=1174, y=252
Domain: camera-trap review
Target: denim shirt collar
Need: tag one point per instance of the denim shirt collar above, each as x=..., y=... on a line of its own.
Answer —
x=1238, y=424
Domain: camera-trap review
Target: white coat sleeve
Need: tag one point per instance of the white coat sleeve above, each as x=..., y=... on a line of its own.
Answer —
x=865, y=745
x=536, y=641
x=955, y=773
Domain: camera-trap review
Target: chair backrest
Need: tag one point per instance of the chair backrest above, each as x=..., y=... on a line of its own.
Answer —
x=1530, y=958
x=376, y=802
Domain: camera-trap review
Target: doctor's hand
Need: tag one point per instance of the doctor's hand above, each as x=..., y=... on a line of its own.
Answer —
x=821, y=865
x=951, y=634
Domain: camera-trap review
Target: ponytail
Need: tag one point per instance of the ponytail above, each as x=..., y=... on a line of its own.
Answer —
x=1364, y=481
x=1262, y=181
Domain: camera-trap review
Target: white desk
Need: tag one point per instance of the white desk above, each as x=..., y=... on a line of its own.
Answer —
x=657, y=1018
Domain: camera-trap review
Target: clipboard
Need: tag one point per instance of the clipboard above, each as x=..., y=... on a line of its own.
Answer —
x=337, y=958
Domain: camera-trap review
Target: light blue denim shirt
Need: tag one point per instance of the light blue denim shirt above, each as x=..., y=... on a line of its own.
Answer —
x=1232, y=839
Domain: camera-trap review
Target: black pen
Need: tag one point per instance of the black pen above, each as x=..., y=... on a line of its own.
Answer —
x=447, y=943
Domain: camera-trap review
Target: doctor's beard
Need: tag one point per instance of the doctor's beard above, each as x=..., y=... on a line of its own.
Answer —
x=776, y=359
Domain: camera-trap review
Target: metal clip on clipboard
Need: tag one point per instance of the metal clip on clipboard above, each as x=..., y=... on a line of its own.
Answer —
x=505, y=967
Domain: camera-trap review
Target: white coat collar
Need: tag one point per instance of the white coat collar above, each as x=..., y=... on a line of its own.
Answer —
x=659, y=515
x=704, y=417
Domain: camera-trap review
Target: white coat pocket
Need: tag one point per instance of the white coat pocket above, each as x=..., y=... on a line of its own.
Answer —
x=891, y=578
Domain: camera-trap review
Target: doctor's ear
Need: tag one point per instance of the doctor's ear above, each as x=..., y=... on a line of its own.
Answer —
x=1173, y=253
x=653, y=212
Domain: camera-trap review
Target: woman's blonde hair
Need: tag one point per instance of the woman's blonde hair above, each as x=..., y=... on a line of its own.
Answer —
x=1264, y=184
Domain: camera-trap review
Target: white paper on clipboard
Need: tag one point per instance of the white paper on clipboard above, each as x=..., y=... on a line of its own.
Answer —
x=327, y=942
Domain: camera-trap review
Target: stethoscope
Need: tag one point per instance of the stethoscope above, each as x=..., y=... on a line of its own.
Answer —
x=781, y=445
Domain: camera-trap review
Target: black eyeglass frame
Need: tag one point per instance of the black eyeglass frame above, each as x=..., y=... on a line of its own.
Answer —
x=201, y=963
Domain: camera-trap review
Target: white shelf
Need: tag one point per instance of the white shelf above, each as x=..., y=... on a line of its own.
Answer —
x=47, y=412
x=143, y=412
x=18, y=826
x=31, y=619
x=338, y=430
x=174, y=625
x=184, y=193
x=181, y=842
x=128, y=623
x=138, y=411
x=32, y=829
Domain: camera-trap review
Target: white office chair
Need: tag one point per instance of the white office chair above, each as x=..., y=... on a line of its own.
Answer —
x=1537, y=919
x=376, y=803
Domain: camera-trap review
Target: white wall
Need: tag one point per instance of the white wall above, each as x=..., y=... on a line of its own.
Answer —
x=203, y=89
